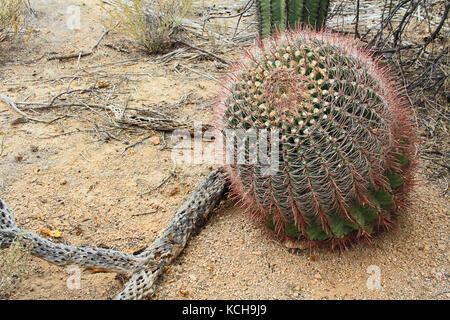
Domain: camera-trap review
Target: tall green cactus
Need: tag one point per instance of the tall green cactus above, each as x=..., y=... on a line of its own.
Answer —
x=283, y=14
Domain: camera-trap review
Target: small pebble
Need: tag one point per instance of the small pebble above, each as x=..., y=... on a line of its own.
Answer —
x=192, y=277
x=173, y=192
x=155, y=140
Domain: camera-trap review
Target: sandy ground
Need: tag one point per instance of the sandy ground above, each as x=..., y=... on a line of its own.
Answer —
x=95, y=194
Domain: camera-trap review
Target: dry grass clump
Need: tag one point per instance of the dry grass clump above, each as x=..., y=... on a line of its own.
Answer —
x=14, y=264
x=151, y=22
x=11, y=18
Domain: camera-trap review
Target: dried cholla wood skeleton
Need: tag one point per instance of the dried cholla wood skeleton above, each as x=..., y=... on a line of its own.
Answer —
x=142, y=269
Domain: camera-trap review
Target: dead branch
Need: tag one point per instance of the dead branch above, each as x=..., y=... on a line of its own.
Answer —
x=143, y=268
x=82, y=53
x=12, y=104
x=205, y=52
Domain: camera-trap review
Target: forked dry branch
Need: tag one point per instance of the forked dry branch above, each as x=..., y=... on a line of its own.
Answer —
x=142, y=269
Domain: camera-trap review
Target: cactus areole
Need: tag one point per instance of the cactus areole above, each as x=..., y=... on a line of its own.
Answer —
x=346, y=151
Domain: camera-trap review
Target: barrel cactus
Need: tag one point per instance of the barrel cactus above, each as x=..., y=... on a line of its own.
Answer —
x=347, y=141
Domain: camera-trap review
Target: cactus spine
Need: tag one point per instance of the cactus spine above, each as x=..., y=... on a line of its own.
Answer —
x=283, y=14
x=346, y=155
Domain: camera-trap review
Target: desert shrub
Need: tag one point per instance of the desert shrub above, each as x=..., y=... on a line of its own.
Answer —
x=11, y=18
x=14, y=263
x=151, y=22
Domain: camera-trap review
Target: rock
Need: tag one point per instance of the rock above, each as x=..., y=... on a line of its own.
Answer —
x=192, y=277
x=19, y=120
x=295, y=244
x=155, y=140
x=103, y=84
x=173, y=192
x=317, y=276
x=63, y=182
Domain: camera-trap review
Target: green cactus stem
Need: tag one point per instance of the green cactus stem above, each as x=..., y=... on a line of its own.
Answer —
x=280, y=15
